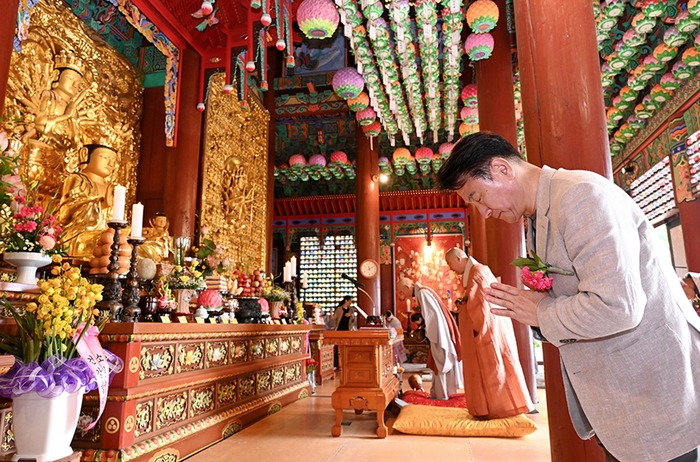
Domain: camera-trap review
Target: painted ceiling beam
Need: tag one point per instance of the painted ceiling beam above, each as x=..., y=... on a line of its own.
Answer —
x=160, y=15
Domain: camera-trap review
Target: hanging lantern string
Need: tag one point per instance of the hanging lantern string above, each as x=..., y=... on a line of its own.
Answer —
x=277, y=19
x=288, y=35
x=243, y=80
x=262, y=52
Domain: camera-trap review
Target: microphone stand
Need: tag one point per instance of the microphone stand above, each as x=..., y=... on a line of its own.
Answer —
x=373, y=321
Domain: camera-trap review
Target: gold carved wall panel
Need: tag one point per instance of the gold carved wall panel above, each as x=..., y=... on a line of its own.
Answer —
x=234, y=190
x=67, y=89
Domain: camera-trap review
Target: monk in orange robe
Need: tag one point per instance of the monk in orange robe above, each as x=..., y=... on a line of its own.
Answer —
x=494, y=383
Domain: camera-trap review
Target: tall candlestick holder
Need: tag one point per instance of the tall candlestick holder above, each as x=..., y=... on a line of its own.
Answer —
x=291, y=287
x=110, y=306
x=131, y=293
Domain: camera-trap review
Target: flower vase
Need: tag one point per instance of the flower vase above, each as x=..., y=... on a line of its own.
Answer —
x=26, y=263
x=183, y=297
x=275, y=309
x=311, y=377
x=44, y=427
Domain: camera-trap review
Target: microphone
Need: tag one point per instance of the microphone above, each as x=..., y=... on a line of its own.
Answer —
x=355, y=282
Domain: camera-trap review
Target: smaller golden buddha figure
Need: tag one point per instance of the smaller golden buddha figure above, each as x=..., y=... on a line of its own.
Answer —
x=158, y=243
x=86, y=200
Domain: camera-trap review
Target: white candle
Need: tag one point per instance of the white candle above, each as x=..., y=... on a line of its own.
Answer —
x=287, y=273
x=408, y=305
x=304, y=281
x=118, y=204
x=293, y=265
x=136, y=219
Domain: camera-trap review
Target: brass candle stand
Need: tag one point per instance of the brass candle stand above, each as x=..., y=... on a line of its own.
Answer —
x=110, y=306
x=131, y=293
x=291, y=287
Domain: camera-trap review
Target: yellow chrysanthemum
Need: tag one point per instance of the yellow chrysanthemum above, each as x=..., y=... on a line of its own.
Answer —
x=56, y=259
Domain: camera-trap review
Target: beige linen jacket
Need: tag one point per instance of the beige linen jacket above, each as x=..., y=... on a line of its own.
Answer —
x=628, y=339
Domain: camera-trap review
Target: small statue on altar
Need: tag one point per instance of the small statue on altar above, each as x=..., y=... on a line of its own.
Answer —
x=86, y=200
x=158, y=243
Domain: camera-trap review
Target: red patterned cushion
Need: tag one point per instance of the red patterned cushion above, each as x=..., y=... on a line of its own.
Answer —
x=421, y=397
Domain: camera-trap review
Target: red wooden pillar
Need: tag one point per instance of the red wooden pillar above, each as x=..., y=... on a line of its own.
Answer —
x=271, y=133
x=367, y=221
x=494, y=80
x=181, y=188
x=7, y=33
x=565, y=126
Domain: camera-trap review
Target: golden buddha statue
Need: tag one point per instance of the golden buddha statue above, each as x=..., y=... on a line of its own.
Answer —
x=58, y=121
x=86, y=200
x=158, y=243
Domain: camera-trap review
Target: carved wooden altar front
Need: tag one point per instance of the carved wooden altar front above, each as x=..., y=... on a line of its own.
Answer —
x=366, y=378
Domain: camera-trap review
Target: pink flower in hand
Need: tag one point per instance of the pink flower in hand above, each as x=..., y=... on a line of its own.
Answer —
x=47, y=242
x=536, y=280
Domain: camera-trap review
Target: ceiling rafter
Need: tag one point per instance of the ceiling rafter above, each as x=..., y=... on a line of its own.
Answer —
x=388, y=202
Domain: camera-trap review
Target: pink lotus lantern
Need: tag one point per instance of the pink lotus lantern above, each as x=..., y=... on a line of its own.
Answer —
x=469, y=96
x=339, y=157
x=374, y=129
x=686, y=23
x=445, y=150
x=297, y=161
x=366, y=116
x=470, y=115
x=479, y=46
x=681, y=71
x=668, y=82
x=318, y=160
x=482, y=16
x=360, y=103
x=317, y=19
x=424, y=155
x=348, y=83
x=383, y=162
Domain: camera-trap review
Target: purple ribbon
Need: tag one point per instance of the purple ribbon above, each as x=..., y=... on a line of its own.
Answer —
x=54, y=376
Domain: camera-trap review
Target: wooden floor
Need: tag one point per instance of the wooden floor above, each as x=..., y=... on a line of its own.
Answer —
x=302, y=432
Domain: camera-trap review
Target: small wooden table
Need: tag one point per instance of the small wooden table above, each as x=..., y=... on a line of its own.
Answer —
x=366, y=378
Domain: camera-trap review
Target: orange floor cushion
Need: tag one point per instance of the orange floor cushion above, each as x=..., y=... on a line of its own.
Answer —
x=421, y=397
x=416, y=419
